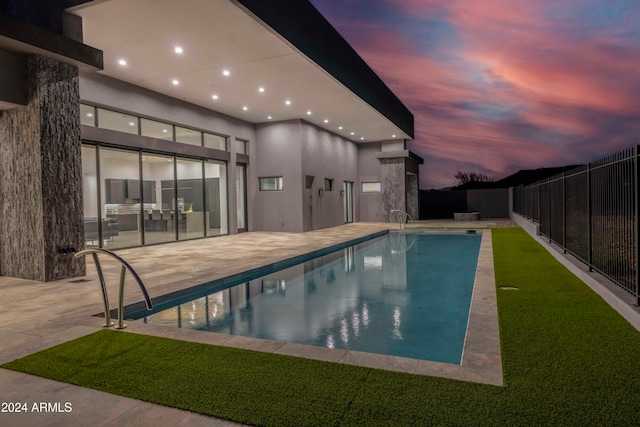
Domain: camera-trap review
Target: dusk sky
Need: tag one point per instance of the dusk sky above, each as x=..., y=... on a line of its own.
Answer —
x=502, y=85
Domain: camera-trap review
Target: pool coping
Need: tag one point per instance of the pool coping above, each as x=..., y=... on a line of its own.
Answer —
x=481, y=359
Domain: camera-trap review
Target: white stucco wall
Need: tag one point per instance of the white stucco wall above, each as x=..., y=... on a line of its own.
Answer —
x=293, y=150
x=326, y=155
x=278, y=153
x=370, y=206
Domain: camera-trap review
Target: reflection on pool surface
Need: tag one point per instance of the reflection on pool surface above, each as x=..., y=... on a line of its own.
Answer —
x=402, y=294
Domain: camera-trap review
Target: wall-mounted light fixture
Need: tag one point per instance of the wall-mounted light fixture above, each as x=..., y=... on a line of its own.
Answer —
x=341, y=193
x=320, y=192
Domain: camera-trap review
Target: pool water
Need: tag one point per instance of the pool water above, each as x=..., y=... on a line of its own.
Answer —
x=401, y=294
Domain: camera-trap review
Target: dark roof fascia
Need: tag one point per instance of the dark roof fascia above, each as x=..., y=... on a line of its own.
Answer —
x=300, y=23
x=406, y=154
x=23, y=38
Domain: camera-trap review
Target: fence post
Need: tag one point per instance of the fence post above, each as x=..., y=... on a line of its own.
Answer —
x=537, y=214
x=589, y=236
x=636, y=203
x=564, y=213
x=549, y=210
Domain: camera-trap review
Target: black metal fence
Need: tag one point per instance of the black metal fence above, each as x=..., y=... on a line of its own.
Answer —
x=591, y=212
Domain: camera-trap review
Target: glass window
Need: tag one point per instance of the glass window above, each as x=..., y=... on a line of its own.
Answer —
x=215, y=141
x=87, y=115
x=370, y=187
x=241, y=146
x=159, y=194
x=156, y=129
x=271, y=183
x=308, y=181
x=90, y=197
x=328, y=184
x=121, y=189
x=215, y=184
x=241, y=198
x=190, y=199
x=188, y=136
x=117, y=121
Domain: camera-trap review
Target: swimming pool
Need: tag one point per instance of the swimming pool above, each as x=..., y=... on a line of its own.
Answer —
x=403, y=295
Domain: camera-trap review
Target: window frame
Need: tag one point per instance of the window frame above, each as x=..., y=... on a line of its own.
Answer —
x=279, y=183
x=328, y=184
x=377, y=184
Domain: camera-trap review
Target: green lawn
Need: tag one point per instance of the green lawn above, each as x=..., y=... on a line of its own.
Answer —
x=568, y=359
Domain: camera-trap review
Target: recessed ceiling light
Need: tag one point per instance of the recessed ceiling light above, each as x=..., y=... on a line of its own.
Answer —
x=340, y=127
x=122, y=62
x=226, y=73
x=361, y=139
x=175, y=82
x=287, y=102
x=245, y=108
x=169, y=160
x=214, y=96
x=178, y=50
x=260, y=89
x=132, y=124
x=269, y=118
x=393, y=136
x=309, y=113
x=164, y=131
x=89, y=114
x=326, y=120
x=353, y=133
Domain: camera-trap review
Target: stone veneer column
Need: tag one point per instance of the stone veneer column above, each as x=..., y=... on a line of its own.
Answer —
x=413, y=196
x=41, y=176
x=393, y=187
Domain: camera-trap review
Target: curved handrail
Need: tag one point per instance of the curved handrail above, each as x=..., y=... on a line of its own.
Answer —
x=403, y=212
x=125, y=266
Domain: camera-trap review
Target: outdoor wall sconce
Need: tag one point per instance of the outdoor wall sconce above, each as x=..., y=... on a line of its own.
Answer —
x=320, y=192
x=341, y=193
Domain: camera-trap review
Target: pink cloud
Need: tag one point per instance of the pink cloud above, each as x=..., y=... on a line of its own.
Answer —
x=511, y=84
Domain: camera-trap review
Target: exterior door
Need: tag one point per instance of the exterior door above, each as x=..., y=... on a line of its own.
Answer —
x=347, y=193
x=308, y=202
x=241, y=197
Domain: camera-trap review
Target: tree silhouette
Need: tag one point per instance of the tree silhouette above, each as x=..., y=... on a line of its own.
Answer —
x=467, y=177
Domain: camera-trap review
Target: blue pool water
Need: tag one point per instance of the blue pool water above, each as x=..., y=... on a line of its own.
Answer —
x=402, y=294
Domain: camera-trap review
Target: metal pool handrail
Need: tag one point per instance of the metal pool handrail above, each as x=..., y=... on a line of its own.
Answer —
x=403, y=212
x=123, y=271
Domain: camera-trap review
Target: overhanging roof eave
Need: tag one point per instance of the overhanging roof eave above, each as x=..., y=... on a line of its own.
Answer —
x=311, y=34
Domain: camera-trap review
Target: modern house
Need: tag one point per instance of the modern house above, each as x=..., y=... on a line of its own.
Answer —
x=127, y=123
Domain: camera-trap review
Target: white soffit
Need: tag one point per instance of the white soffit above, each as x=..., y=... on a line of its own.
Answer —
x=216, y=35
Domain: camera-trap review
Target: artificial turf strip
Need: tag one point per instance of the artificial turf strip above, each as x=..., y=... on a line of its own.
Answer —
x=245, y=386
x=568, y=359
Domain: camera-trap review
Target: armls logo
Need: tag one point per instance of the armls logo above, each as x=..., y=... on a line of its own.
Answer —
x=50, y=407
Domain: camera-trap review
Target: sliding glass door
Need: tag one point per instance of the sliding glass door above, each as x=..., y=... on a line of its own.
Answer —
x=92, y=220
x=158, y=175
x=216, y=212
x=190, y=199
x=120, y=187
x=134, y=198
